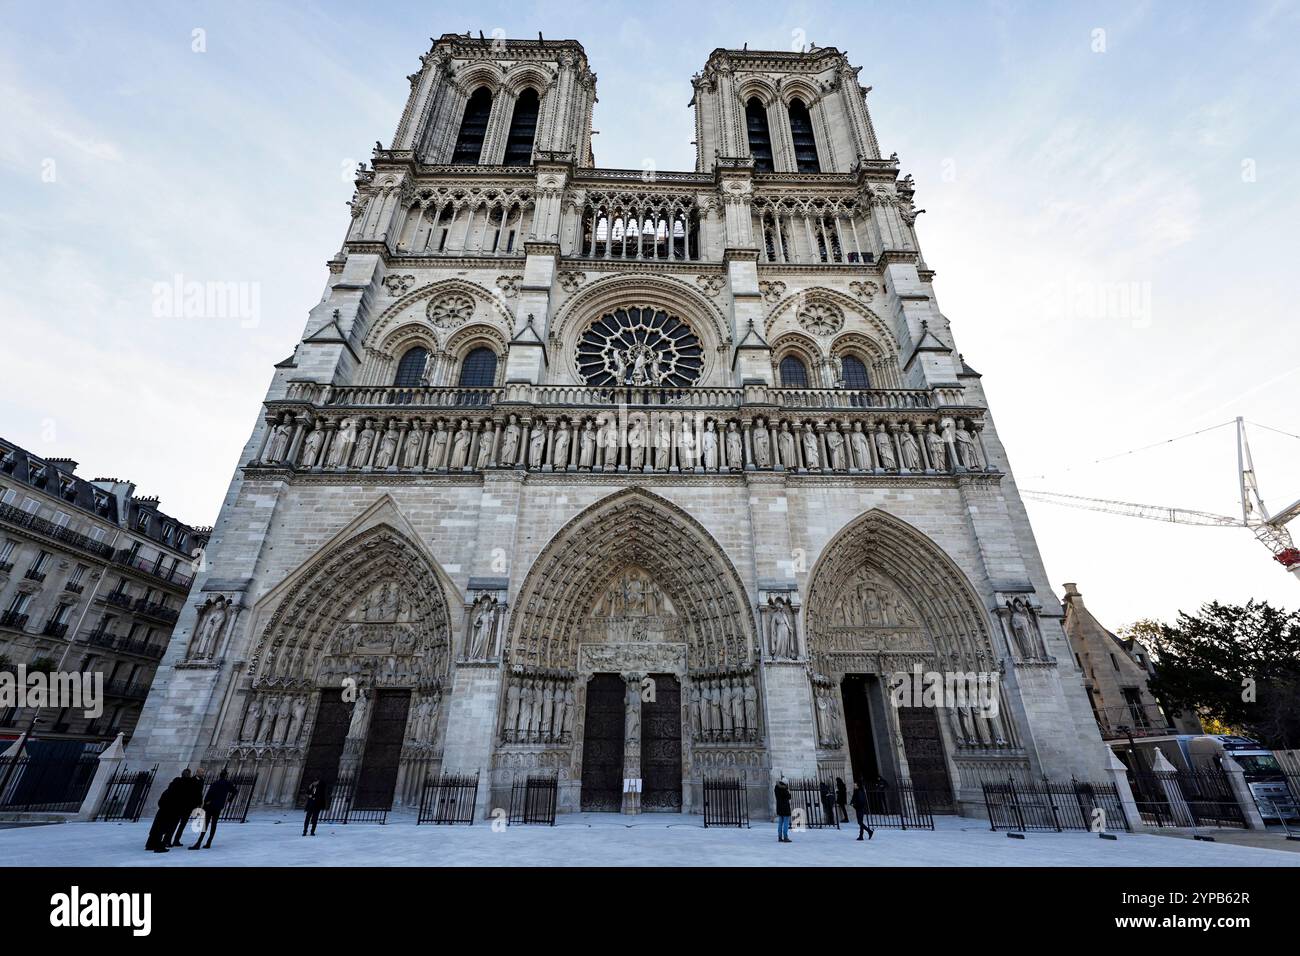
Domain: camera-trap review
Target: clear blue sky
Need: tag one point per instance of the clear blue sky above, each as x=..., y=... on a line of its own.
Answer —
x=1052, y=172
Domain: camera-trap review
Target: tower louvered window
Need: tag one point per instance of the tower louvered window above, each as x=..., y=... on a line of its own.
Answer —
x=760, y=139
x=801, y=133
x=473, y=127
x=523, y=129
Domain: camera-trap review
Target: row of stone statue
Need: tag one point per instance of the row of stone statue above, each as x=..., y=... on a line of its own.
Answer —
x=829, y=716
x=538, y=710
x=641, y=441
x=273, y=720
x=723, y=708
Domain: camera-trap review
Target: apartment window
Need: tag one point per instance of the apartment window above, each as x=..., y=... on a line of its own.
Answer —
x=168, y=533
x=142, y=523
x=135, y=629
x=8, y=497
x=6, y=549
x=38, y=565
x=182, y=540
x=60, y=615
x=31, y=505
x=19, y=604
x=78, y=573
x=61, y=520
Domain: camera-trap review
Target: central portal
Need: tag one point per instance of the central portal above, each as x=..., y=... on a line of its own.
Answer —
x=661, y=746
x=602, y=744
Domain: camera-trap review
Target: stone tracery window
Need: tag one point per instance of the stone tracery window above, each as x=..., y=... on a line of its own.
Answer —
x=479, y=369
x=854, y=372
x=640, y=346
x=410, y=368
x=794, y=374
x=821, y=318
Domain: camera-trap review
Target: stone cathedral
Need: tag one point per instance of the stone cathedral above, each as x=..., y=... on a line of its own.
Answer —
x=622, y=476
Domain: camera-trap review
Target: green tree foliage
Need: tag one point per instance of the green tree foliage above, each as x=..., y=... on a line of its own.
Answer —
x=1237, y=665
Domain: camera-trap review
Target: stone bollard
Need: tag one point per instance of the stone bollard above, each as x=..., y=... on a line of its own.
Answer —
x=1167, y=774
x=109, y=762
x=1241, y=790
x=1119, y=773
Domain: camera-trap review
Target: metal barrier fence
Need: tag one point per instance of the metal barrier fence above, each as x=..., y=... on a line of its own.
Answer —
x=51, y=784
x=533, y=799
x=813, y=803
x=450, y=798
x=343, y=807
x=1049, y=805
x=903, y=807
x=125, y=796
x=726, y=802
x=236, y=808
x=1186, y=798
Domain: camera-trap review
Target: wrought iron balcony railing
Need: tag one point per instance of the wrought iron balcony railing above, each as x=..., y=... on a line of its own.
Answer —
x=23, y=519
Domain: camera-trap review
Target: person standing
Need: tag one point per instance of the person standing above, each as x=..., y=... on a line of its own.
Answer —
x=782, y=792
x=164, y=821
x=828, y=805
x=860, y=808
x=841, y=799
x=192, y=796
x=219, y=795
x=317, y=800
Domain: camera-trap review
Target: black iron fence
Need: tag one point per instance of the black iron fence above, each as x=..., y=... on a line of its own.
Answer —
x=344, y=806
x=125, y=796
x=236, y=808
x=449, y=798
x=813, y=804
x=1186, y=798
x=1052, y=805
x=726, y=802
x=901, y=807
x=46, y=783
x=533, y=799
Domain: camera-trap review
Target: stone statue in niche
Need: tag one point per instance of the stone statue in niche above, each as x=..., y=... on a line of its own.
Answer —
x=510, y=442
x=835, y=448
x=710, y=444
x=387, y=452
x=411, y=454
x=934, y=448
x=252, y=718
x=783, y=643
x=762, y=444
x=789, y=458
x=482, y=627
x=268, y=720
x=861, y=450
x=344, y=441
x=811, y=453
x=279, y=443
x=1023, y=630
x=735, y=448
x=911, y=454
x=438, y=448
x=967, y=450
x=663, y=444
x=460, y=447
x=560, y=453
x=360, y=714
x=485, y=441
x=208, y=632
x=636, y=442
x=885, y=449
x=536, y=444
x=295, y=724
x=587, y=449
x=311, y=447
x=365, y=441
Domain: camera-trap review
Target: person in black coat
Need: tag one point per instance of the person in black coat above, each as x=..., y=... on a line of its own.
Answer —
x=318, y=798
x=841, y=799
x=828, y=804
x=860, y=808
x=782, y=792
x=219, y=795
x=164, y=821
x=191, y=800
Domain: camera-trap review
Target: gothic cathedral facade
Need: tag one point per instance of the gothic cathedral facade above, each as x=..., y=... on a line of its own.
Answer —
x=622, y=476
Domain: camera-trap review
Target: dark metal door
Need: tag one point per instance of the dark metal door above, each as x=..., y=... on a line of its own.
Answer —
x=378, y=777
x=923, y=747
x=858, y=729
x=602, y=744
x=327, y=736
x=661, y=746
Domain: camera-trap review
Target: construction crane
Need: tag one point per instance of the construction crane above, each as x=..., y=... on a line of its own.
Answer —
x=1269, y=529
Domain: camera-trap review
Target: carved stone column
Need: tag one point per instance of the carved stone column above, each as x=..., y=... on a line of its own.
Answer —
x=632, y=742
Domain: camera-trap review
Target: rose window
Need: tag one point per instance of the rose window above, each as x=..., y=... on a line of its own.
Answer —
x=821, y=318
x=640, y=346
x=451, y=311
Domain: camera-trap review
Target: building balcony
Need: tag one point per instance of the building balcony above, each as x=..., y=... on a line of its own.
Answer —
x=1137, y=721
x=136, y=689
x=141, y=647
x=152, y=609
x=13, y=620
x=54, y=629
x=100, y=637
x=22, y=519
x=118, y=599
x=176, y=579
x=6, y=567
x=33, y=575
x=74, y=588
